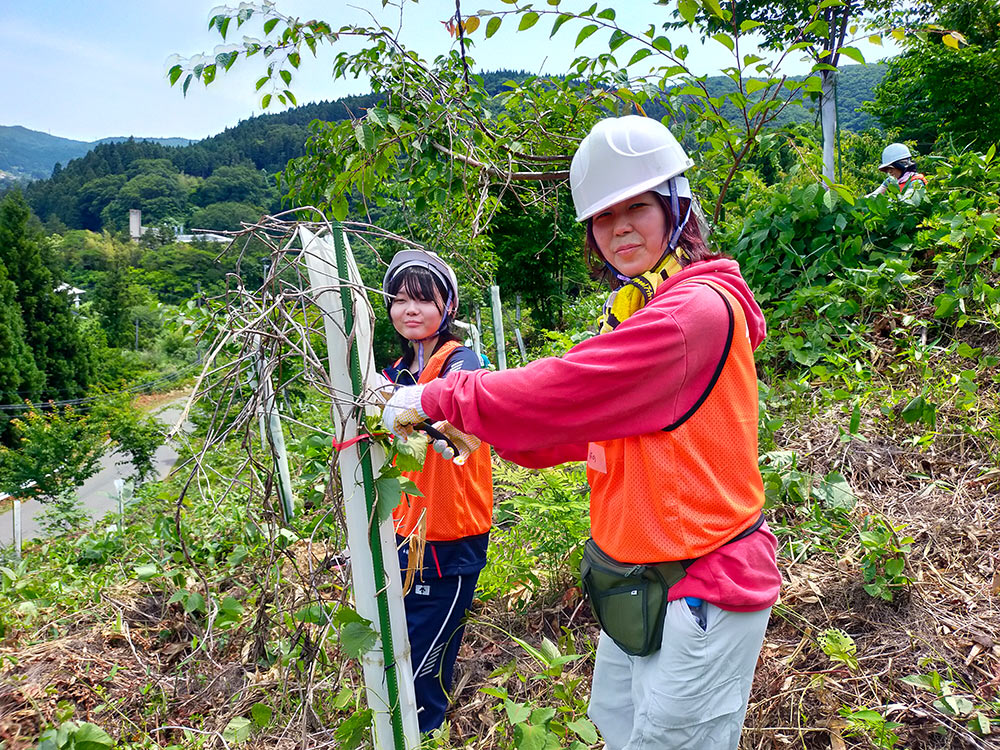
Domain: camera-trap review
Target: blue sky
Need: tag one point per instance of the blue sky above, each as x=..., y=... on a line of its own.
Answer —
x=88, y=70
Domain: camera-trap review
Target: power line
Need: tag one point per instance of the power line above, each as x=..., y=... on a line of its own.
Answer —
x=90, y=399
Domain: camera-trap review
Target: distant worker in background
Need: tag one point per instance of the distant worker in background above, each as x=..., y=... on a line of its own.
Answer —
x=441, y=536
x=662, y=406
x=902, y=174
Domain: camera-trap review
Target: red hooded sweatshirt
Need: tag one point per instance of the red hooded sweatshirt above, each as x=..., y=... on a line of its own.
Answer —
x=639, y=378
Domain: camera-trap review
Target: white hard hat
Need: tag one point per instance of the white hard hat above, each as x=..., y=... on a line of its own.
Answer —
x=430, y=261
x=893, y=153
x=622, y=157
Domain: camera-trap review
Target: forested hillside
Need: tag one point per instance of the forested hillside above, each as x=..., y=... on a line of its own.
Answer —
x=222, y=610
x=29, y=154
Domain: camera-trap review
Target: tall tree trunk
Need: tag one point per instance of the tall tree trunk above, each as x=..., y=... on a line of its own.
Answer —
x=828, y=119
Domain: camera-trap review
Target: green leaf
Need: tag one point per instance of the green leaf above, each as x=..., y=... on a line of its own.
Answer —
x=528, y=737
x=410, y=454
x=261, y=714
x=854, y=53
x=944, y=305
x=390, y=492
x=754, y=85
x=365, y=136
x=725, y=40
x=541, y=716
x=640, y=54
x=237, y=731
x=145, y=572
x=583, y=729
x=493, y=26
x=194, y=603
x=836, y=492
x=269, y=25
x=980, y=724
x=688, y=10
x=585, y=32
x=527, y=21
x=345, y=615
x=265, y=101
x=91, y=737
x=713, y=5
x=294, y=59
x=560, y=20
x=517, y=713
x=174, y=74
x=409, y=487
x=914, y=410
x=351, y=732
x=607, y=14
x=894, y=567
x=286, y=76
x=357, y=639
x=749, y=26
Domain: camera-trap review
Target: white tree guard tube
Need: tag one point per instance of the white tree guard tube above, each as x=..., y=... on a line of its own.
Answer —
x=828, y=118
x=498, y=328
x=395, y=716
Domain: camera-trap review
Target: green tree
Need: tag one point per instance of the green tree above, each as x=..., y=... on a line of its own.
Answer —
x=54, y=454
x=156, y=189
x=113, y=299
x=50, y=327
x=934, y=90
x=20, y=378
x=225, y=216
x=538, y=254
x=240, y=184
x=135, y=435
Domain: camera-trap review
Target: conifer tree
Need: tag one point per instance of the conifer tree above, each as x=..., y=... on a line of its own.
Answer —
x=19, y=377
x=50, y=328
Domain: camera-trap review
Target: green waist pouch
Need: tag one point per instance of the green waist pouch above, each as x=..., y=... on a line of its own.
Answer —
x=629, y=601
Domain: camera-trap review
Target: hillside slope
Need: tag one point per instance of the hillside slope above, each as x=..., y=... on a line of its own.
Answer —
x=32, y=154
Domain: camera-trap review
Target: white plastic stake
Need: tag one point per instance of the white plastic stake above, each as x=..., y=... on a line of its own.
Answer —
x=273, y=437
x=388, y=681
x=517, y=332
x=16, y=514
x=498, y=328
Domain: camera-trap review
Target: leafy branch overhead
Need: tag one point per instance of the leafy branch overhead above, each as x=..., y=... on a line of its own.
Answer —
x=437, y=135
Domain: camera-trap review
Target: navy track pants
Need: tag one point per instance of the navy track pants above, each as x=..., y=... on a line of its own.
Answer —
x=435, y=612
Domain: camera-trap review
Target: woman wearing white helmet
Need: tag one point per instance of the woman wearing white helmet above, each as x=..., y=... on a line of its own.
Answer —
x=901, y=173
x=441, y=535
x=662, y=405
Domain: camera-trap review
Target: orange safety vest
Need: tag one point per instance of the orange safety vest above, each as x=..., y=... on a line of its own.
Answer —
x=457, y=500
x=680, y=493
x=912, y=178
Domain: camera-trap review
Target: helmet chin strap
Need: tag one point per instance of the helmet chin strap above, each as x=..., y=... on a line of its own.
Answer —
x=675, y=236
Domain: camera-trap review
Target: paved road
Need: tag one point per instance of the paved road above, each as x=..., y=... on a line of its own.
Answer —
x=98, y=493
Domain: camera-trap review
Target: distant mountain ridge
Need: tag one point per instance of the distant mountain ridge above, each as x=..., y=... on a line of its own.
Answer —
x=29, y=154
x=32, y=154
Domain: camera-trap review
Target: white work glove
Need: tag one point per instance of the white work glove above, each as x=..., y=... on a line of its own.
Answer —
x=465, y=444
x=403, y=410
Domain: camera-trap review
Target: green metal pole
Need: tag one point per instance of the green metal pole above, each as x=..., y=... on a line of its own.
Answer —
x=368, y=478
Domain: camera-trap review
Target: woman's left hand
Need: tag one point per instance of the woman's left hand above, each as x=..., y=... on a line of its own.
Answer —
x=403, y=410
